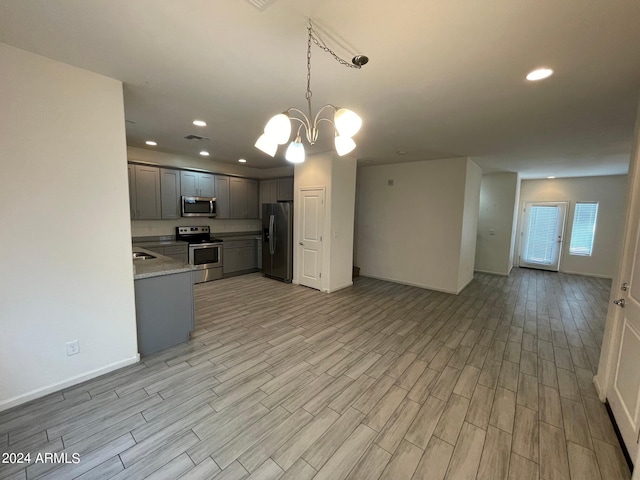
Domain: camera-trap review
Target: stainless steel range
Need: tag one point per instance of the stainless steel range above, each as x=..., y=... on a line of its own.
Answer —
x=205, y=252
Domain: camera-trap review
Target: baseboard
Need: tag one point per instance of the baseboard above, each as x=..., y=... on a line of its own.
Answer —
x=393, y=280
x=41, y=392
x=489, y=272
x=599, y=389
x=340, y=287
x=582, y=274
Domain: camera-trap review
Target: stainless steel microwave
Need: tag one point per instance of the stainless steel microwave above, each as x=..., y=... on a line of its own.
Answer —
x=198, y=206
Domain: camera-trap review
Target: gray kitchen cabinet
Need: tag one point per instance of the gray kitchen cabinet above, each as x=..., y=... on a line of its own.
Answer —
x=177, y=252
x=268, y=193
x=285, y=189
x=238, y=197
x=243, y=198
x=222, y=196
x=144, y=192
x=131, y=169
x=240, y=256
x=170, y=193
x=164, y=311
x=252, y=199
x=197, y=184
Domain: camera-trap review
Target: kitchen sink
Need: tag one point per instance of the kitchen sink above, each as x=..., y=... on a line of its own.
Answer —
x=142, y=256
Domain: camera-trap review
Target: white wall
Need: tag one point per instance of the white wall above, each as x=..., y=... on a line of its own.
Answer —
x=497, y=223
x=337, y=175
x=411, y=232
x=66, y=252
x=343, y=188
x=469, y=224
x=611, y=193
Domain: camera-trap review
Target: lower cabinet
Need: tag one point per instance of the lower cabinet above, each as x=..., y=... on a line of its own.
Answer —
x=177, y=252
x=164, y=311
x=239, y=256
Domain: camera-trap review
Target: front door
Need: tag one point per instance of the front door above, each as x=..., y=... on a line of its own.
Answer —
x=542, y=232
x=311, y=232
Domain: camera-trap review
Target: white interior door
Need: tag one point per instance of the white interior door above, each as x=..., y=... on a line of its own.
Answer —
x=624, y=389
x=310, y=243
x=542, y=235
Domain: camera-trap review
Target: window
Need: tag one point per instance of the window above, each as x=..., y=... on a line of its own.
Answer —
x=584, y=228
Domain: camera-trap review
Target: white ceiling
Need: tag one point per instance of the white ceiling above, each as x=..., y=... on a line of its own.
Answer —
x=445, y=78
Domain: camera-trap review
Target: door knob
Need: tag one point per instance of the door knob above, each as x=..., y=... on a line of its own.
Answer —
x=619, y=302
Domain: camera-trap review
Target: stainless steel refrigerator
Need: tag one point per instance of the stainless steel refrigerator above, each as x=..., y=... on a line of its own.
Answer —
x=277, y=241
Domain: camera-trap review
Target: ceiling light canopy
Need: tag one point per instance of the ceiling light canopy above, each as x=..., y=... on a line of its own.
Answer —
x=346, y=123
x=539, y=74
x=200, y=123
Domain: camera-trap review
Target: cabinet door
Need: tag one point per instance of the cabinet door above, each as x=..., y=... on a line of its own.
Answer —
x=238, y=197
x=252, y=199
x=189, y=184
x=285, y=189
x=148, y=193
x=231, y=260
x=222, y=196
x=268, y=190
x=248, y=258
x=206, y=185
x=170, y=193
x=132, y=190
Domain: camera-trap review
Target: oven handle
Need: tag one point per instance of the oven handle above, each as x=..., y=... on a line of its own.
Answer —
x=272, y=238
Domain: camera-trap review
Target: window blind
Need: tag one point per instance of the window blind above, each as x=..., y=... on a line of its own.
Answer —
x=584, y=228
x=543, y=222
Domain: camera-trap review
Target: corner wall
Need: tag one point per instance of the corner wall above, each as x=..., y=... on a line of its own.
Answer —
x=411, y=231
x=469, y=224
x=497, y=223
x=611, y=193
x=66, y=248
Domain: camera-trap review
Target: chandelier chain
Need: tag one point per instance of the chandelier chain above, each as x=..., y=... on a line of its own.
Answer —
x=313, y=35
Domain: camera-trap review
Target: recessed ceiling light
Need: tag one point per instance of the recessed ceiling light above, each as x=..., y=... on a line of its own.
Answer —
x=242, y=160
x=204, y=153
x=539, y=74
x=151, y=142
x=551, y=176
x=200, y=123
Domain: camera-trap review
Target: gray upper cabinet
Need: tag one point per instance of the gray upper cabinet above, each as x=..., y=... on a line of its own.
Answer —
x=222, y=197
x=170, y=193
x=268, y=193
x=197, y=184
x=252, y=199
x=238, y=197
x=285, y=189
x=146, y=204
x=243, y=198
x=132, y=190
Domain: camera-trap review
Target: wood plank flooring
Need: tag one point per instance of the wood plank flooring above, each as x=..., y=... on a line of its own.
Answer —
x=377, y=381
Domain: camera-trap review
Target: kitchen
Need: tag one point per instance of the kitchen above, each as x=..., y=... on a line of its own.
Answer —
x=166, y=266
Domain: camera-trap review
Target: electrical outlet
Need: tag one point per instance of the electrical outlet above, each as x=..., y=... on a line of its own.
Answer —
x=73, y=348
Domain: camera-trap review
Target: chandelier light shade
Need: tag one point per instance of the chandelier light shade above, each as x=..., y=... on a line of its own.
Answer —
x=295, y=151
x=346, y=123
x=344, y=144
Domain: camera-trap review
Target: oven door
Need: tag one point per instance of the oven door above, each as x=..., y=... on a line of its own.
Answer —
x=206, y=255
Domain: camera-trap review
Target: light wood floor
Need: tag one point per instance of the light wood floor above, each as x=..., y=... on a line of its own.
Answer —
x=375, y=381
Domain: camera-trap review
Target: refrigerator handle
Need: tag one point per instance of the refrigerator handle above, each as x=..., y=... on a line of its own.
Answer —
x=272, y=238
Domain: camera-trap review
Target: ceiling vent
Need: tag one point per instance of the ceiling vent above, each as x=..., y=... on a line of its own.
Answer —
x=196, y=137
x=261, y=5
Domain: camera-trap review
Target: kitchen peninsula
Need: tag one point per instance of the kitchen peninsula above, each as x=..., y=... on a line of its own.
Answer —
x=164, y=300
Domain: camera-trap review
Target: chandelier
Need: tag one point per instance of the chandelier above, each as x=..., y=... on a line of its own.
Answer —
x=346, y=123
